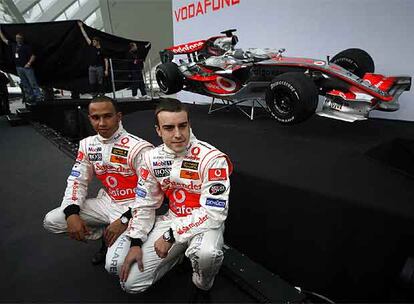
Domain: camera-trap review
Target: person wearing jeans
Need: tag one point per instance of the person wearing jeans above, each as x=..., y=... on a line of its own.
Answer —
x=23, y=58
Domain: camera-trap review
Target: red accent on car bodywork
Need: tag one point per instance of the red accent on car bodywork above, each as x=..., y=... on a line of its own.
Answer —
x=331, y=69
x=380, y=81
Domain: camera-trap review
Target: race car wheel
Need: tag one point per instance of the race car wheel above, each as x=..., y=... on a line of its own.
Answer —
x=356, y=61
x=169, y=78
x=292, y=98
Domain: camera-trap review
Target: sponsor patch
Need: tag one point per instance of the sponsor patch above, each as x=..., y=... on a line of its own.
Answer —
x=141, y=192
x=95, y=149
x=75, y=173
x=217, y=174
x=119, y=152
x=80, y=156
x=200, y=221
x=189, y=165
x=143, y=173
x=194, y=154
x=215, y=202
x=162, y=163
x=217, y=189
x=118, y=159
x=162, y=172
x=189, y=174
x=95, y=156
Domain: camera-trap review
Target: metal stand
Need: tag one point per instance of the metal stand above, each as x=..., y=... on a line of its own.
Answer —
x=231, y=103
x=112, y=78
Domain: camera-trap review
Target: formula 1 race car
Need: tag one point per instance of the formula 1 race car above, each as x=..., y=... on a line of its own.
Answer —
x=290, y=86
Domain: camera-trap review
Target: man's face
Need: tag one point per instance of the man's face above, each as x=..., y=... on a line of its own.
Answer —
x=133, y=47
x=19, y=39
x=104, y=118
x=95, y=43
x=174, y=129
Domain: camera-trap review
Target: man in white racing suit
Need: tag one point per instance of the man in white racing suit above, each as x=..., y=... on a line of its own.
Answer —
x=114, y=156
x=195, y=177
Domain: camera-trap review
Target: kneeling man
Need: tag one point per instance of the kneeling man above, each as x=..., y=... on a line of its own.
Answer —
x=195, y=178
x=114, y=156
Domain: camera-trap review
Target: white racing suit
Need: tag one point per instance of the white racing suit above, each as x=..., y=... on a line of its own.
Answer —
x=115, y=162
x=197, y=185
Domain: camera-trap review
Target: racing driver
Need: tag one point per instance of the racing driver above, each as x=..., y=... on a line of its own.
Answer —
x=114, y=156
x=195, y=178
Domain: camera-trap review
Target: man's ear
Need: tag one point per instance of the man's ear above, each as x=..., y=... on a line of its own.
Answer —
x=157, y=128
x=119, y=115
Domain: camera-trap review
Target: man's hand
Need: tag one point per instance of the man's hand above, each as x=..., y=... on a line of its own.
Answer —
x=134, y=255
x=77, y=229
x=80, y=23
x=162, y=247
x=113, y=231
x=106, y=73
x=27, y=65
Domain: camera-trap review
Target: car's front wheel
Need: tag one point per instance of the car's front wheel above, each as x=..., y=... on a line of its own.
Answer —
x=292, y=97
x=169, y=78
x=356, y=61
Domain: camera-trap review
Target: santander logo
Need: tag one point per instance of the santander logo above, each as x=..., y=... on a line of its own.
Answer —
x=202, y=7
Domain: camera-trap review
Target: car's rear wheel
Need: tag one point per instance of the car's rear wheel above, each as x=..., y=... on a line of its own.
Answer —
x=169, y=78
x=292, y=98
x=356, y=61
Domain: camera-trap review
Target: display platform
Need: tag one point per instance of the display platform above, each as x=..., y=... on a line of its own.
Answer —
x=307, y=202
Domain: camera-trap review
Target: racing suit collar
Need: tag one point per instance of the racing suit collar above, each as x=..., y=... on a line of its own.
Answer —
x=114, y=137
x=192, y=140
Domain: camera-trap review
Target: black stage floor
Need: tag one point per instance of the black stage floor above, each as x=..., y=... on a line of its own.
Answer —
x=307, y=203
x=40, y=267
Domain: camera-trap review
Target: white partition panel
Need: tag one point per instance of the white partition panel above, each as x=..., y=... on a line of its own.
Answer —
x=310, y=28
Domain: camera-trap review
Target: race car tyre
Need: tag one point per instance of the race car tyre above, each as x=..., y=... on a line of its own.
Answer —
x=169, y=78
x=292, y=97
x=356, y=61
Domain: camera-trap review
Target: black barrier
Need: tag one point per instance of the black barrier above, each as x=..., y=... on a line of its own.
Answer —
x=62, y=55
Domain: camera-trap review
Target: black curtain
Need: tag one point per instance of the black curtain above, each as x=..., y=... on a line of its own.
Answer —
x=62, y=55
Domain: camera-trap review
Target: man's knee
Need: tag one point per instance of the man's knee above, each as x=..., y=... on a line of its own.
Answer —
x=54, y=221
x=137, y=281
x=208, y=257
x=132, y=286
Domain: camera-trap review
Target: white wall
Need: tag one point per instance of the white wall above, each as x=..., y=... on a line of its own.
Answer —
x=314, y=28
x=148, y=20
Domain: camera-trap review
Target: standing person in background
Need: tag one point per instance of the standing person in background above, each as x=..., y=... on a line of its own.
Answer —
x=135, y=66
x=4, y=95
x=98, y=66
x=23, y=59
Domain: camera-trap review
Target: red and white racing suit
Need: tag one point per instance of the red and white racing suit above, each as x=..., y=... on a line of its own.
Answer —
x=115, y=162
x=197, y=185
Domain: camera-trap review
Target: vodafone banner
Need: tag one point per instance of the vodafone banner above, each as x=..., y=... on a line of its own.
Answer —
x=311, y=29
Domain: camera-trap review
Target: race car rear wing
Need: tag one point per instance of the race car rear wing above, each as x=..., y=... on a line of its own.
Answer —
x=201, y=49
x=191, y=48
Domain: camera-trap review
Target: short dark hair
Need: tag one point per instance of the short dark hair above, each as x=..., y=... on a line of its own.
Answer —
x=170, y=105
x=20, y=34
x=106, y=99
x=96, y=38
